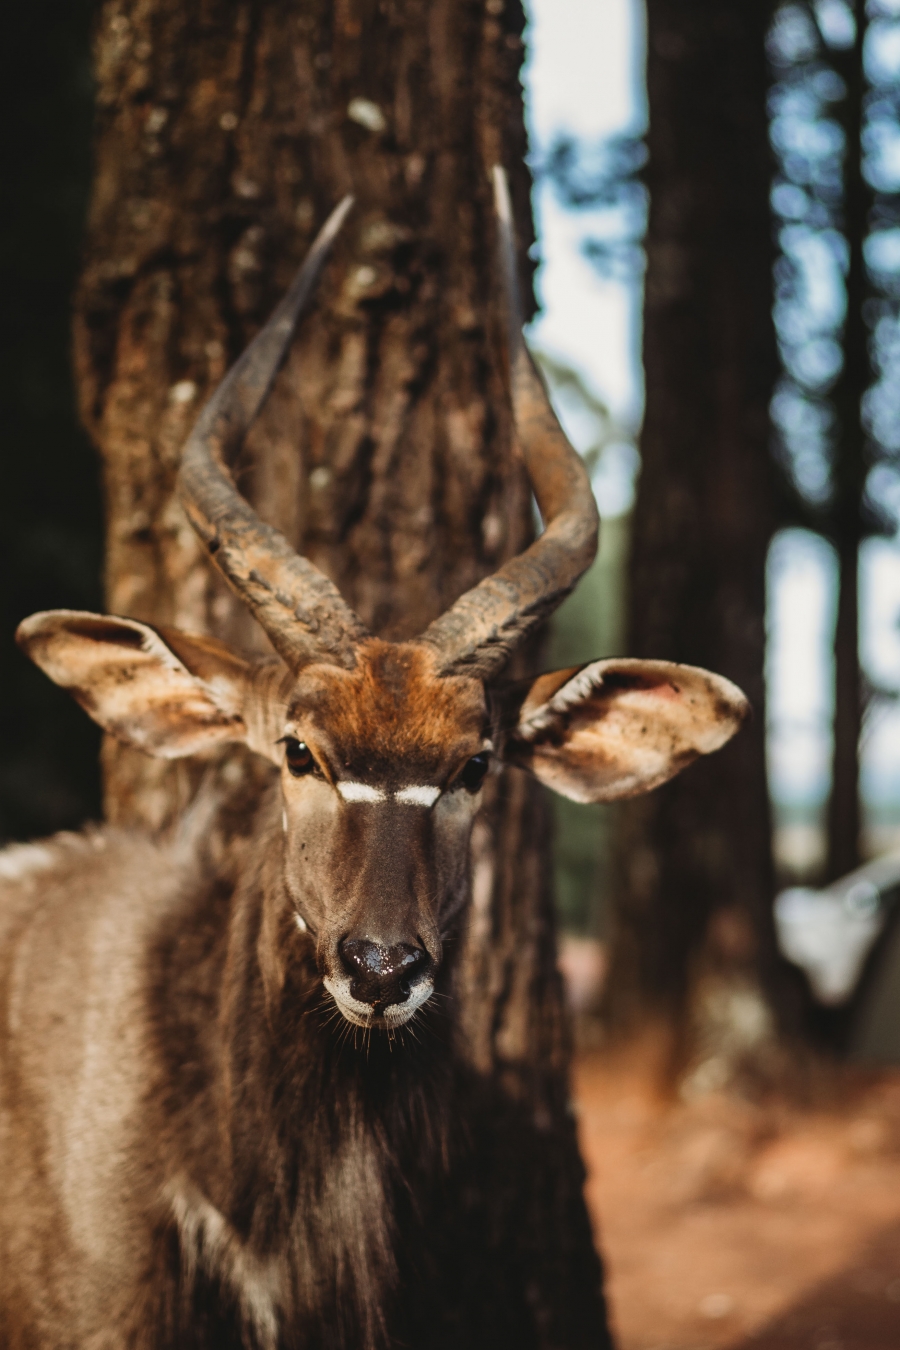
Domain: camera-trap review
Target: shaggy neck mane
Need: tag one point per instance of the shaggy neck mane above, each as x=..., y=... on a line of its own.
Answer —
x=318, y=1134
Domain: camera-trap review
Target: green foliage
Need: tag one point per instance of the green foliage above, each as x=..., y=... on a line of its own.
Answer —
x=589, y=626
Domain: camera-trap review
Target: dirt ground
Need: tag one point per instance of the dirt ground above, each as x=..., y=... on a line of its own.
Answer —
x=728, y=1224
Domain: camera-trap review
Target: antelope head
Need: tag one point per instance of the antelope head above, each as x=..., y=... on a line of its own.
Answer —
x=383, y=747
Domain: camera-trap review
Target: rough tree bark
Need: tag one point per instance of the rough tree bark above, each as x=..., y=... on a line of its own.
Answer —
x=695, y=858
x=226, y=132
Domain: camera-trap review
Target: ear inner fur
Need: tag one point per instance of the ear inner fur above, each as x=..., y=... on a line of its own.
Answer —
x=617, y=728
x=133, y=684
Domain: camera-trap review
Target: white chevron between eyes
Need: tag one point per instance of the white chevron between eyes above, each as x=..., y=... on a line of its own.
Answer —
x=416, y=794
x=361, y=792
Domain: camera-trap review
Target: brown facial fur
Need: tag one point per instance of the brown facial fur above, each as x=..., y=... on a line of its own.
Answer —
x=386, y=870
x=392, y=719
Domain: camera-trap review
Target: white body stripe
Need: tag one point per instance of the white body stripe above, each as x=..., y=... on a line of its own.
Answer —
x=209, y=1241
x=17, y=861
x=416, y=795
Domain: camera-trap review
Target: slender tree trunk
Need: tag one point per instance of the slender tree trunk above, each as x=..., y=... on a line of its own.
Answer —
x=226, y=132
x=695, y=858
x=849, y=475
x=843, y=803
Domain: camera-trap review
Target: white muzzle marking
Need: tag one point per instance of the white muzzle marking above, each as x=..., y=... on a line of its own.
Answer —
x=363, y=1015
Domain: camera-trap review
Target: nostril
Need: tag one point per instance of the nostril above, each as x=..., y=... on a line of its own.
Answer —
x=382, y=974
x=415, y=963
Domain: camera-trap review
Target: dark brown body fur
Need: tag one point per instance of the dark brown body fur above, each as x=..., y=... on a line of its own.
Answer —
x=186, y=1162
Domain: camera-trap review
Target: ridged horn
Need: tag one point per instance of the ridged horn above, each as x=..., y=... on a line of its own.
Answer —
x=298, y=607
x=479, y=633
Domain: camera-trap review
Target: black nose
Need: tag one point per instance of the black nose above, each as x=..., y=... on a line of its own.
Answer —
x=382, y=975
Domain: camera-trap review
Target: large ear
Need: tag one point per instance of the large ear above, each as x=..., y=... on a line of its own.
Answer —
x=163, y=691
x=616, y=728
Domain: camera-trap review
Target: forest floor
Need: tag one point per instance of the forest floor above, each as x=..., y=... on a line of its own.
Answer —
x=732, y=1224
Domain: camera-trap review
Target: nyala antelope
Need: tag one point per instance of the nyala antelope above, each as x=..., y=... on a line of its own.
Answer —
x=214, y=1131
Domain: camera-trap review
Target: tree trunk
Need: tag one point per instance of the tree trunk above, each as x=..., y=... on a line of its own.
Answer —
x=50, y=512
x=696, y=879
x=849, y=477
x=226, y=132
x=843, y=803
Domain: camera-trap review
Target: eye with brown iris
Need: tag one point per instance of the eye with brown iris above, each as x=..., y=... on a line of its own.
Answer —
x=473, y=773
x=298, y=757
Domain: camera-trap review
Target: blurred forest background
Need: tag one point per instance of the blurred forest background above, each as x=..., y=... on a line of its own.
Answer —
x=717, y=200
x=735, y=213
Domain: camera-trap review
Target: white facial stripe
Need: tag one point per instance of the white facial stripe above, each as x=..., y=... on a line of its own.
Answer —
x=417, y=795
x=361, y=792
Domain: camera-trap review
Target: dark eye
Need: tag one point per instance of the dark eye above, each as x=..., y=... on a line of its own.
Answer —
x=299, y=757
x=474, y=772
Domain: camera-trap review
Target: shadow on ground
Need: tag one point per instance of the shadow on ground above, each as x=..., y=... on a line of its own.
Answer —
x=856, y=1309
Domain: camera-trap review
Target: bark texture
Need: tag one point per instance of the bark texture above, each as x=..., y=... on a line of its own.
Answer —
x=226, y=132
x=695, y=857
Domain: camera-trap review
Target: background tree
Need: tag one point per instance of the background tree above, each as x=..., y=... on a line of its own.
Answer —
x=225, y=133
x=835, y=109
x=848, y=523
x=696, y=879
x=50, y=508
